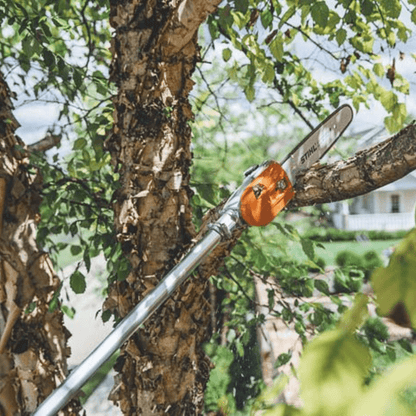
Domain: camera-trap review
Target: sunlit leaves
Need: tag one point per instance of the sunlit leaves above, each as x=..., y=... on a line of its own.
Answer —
x=276, y=48
x=320, y=13
x=341, y=36
x=226, y=54
x=333, y=367
x=392, y=8
x=383, y=397
x=396, y=283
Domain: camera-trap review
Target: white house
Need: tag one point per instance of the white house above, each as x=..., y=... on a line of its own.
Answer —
x=389, y=208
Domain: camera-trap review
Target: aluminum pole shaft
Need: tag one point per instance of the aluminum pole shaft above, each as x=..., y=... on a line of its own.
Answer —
x=128, y=326
x=223, y=227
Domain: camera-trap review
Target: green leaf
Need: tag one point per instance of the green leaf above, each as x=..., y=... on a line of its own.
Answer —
x=77, y=282
x=320, y=13
x=106, y=315
x=392, y=8
x=308, y=248
x=379, y=69
x=240, y=348
x=355, y=316
x=226, y=54
x=282, y=359
x=367, y=7
x=288, y=14
x=413, y=16
x=268, y=73
x=70, y=312
x=250, y=92
x=239, y=18
x=396, y=283
x=388, y=99
x=266, y=18
x=276, y=48
x=87, y=260
x=384, y=396
x=332, y=371
x=27, y=46
x=340, y=36
x=322, y=286
x=75, y=250
x=48, y=58
x=79, y=143
x=78, y=77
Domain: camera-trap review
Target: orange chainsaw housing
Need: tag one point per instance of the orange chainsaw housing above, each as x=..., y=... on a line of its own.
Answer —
x=266, y=196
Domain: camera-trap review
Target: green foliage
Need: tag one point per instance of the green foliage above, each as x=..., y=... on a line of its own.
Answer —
x=349, y=37
x=371, y=261
x=396, y=283
x=376, y=332
x=220, y=377
x=320, y=265
x=347, y=280
x=333, y=370
x=348, y=258
x=57, y=51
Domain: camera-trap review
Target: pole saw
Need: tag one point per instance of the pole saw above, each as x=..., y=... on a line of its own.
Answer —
x=266, y=190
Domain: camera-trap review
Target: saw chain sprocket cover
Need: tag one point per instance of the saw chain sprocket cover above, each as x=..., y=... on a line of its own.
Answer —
x=266, y=196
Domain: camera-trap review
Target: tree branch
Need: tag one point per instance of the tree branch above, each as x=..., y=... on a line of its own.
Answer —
x=366, y=171
x=187, y=19
x=51, y=140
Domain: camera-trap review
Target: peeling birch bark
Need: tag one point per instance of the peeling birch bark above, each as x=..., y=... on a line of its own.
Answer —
x=33, y=345
x=163, y=370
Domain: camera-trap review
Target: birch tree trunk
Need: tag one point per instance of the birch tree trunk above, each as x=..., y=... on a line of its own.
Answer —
x=163, y=369
x=33, y=341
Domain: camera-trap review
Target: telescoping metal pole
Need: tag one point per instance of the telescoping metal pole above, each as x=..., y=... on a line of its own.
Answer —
x=229, y=219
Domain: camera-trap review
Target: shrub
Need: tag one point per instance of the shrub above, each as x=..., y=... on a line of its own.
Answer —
x=375, y=328
x=371, y=260
x=348, y=281
x=321, y=265
x=347, y=258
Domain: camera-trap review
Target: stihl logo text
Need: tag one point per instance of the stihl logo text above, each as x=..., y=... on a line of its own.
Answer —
x=309, y=153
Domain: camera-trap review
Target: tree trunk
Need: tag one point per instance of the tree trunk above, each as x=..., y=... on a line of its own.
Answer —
x=163, y=370
x=33, y=342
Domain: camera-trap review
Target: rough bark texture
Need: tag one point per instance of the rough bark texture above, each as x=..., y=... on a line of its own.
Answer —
x=366, y=171
x=163, y=370
x=33, y=345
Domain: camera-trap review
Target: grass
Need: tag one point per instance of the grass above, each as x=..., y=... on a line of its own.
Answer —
x=332, y=249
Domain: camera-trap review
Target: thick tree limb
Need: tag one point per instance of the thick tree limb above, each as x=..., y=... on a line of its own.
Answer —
x=187, y=19
x=51, y=140
x=366, y=171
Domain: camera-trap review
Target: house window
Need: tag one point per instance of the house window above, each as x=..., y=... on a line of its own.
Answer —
x=395, y=203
